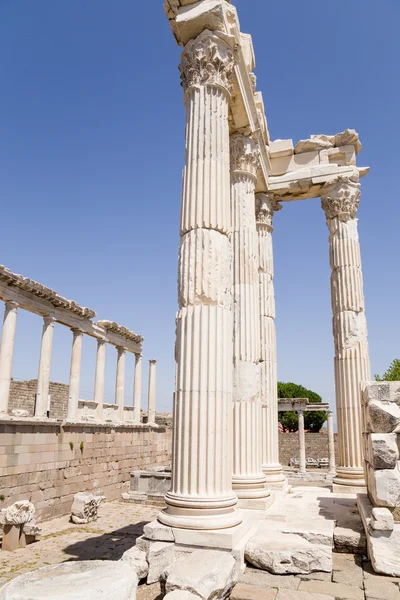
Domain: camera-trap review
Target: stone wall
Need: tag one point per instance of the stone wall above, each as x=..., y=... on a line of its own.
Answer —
x=48, y=463
x=316, y=446
x=23, y=393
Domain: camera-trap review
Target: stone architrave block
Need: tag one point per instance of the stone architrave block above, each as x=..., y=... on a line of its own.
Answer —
x=80, y=580
x=160, y=556
x=137, y=560
x=207, y=574
x=85, y=507
x=382, y=449
x=382, y=519
x=384, y=487
x=383, y=417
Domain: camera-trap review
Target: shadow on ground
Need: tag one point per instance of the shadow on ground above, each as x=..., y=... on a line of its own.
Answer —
x=108, y=546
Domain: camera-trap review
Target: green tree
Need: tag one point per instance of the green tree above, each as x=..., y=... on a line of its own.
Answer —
x=393, y=372
x=313, y=421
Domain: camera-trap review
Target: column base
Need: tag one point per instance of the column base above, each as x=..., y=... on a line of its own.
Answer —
x=188, y=512
x=250, y=487
x=257, y=503
x=276, y=479
x=349, y=480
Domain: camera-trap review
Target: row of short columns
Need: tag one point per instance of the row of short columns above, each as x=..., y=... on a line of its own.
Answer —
x=43, y=382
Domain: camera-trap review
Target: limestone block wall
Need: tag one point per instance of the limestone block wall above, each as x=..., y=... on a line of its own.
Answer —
x=316, y=446
x=48, y=463
x=22, y=397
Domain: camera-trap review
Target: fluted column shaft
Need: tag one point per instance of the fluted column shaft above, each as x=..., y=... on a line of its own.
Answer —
x=331, y=444
x=7, y=353
x=265, y=209
x=201, y=494
x=137, y=397
x=99, y=377
x=75, y=374
x=340, y=201
x=248, y=480
x=120, y=382
x=151, y=414
x=43, y=382
x=302, y=443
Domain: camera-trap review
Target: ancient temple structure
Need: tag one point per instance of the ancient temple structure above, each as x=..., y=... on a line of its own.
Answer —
x=225, y=448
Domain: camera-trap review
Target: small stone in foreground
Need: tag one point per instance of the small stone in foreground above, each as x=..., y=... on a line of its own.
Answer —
x=137, y=560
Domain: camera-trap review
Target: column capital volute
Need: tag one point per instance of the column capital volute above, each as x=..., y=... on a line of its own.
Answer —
x=49, y=320
x=152, y=361
x=207, y=60
x=244, y=154
x=101, y=340
x=340, y=198
x=11, y=305
x=76, y=331
x=121, y=350
x=266, y=206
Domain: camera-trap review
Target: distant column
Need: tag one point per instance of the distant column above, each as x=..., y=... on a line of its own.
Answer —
x=99, y=377
x=340, y=200
x=151, y=419
x=120, y=382
x=137, y=398
x=331, y=444
x=43, y=382
x=265, y=210
x=75, y=374
x=302, y=440
x=7, y=353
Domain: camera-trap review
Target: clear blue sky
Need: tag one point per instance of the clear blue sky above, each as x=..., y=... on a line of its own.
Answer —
x=91, y=153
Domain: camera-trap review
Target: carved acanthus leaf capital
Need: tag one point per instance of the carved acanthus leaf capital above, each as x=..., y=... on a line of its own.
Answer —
x=207, y=60
x=245, y=154
x=266, y=206
x=340, y=198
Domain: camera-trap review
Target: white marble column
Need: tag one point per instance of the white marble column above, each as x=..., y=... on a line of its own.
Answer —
x=265, y=209
x=151, y=406
x=340, y=201
x=75, y=374
x=43, y=382
x=331, y=444
x=7, y=353
x=120, y=382
x=201, y=494
x=99, y=377
x=137, y=389
x=302, y=442
x=248, y=479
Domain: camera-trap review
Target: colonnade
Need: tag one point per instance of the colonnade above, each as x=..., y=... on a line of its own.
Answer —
x=43, y=380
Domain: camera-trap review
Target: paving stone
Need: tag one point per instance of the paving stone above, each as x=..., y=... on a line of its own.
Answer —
x=369, y=573
x=259, y=578
x=344, y=562
x=380, y=588
x=314, y=577
x=242, y=591
x=337, y=590
x=296, y=595
x=349, y=577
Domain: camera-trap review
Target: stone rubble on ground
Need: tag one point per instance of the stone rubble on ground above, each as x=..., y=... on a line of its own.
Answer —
x=85, y=507
x=137, y=560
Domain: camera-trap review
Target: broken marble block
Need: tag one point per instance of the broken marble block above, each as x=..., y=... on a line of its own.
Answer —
x=18, y=521
x=382, y=450
x=77, y=580
x=137, y=560
x=85, y=507
x=159, y=556
x=207, y=574
x=384, y=487
x=382, y=417
x=382, y=519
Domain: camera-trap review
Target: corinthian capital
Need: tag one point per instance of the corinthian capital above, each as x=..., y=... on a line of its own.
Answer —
x=245, y=154
x=340, y=198
x=207, y=60
x=266, y=206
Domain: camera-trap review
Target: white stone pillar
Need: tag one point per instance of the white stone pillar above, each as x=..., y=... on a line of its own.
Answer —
x=265, y=209
x=100, y=377
x=75, y=374
x=340, y=201
x=120, y=382
x=7, y=353
x=302, y=442
x=137, y=391
x=248, y=479
x=331, y=444
x=151, y=406
x=43, y=382
x=201, y=494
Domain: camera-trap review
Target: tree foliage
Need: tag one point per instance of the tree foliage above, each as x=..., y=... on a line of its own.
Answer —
x=313, y=421
x=393, y=372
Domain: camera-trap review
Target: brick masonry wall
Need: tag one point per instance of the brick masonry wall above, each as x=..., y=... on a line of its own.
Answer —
x=48, y=463
x=23, y=393
x=316, y=446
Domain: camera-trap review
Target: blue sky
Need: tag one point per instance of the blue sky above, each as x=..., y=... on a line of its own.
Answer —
x=91, y=153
